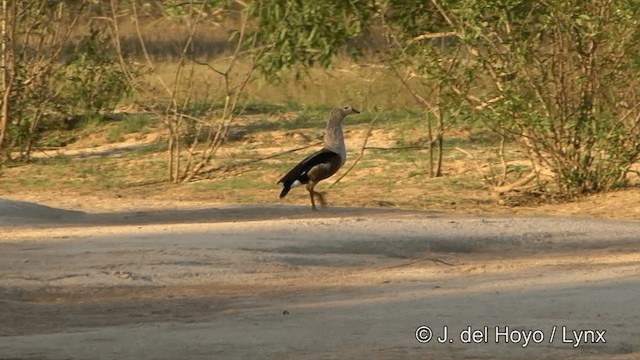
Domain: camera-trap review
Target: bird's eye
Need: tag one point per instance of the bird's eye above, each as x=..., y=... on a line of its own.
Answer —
x=346, y=107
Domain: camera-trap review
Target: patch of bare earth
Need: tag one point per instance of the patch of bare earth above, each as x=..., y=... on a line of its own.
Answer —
x=159, y=279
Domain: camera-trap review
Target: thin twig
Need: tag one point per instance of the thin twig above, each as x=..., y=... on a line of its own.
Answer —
x=232, y=96
x=435, y=35
x=209, y=66
x=419, y=261
x=253, y=161
x=503, y=161
x=475, y=162
x=412, y=147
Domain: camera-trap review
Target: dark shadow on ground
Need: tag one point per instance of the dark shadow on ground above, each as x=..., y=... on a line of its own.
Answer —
x=15, y=213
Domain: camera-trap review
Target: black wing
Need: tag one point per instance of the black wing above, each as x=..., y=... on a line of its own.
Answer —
x=299, y=172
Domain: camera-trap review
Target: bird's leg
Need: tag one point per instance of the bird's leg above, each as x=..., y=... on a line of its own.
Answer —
x=309, y=187
x=313, y=203
x=320, y=196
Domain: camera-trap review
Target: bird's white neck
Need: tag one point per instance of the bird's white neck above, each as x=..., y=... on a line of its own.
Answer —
x=334, y=141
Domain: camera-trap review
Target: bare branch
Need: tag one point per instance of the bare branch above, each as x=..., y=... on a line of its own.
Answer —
x=209, y=66
x=516, y=185
x=253, y=161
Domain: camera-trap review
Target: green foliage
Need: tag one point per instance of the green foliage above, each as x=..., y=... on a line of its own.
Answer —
x=134, y=123
x=305, y=32
x=93, y=79
x=89, y=124
x=115, y=134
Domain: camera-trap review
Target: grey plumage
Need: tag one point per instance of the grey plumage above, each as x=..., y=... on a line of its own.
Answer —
x=323, y=163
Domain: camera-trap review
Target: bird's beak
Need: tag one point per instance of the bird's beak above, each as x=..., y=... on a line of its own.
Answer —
x=355, y=111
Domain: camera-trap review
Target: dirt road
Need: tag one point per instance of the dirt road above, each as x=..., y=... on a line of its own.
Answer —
x=282, y=282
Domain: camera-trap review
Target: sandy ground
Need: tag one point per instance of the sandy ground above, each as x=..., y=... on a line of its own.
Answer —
x=282, y=282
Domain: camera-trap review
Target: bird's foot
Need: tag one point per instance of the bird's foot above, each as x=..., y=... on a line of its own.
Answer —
x=323, y=202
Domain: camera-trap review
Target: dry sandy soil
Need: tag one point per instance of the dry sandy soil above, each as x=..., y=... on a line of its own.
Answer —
x=158, y=281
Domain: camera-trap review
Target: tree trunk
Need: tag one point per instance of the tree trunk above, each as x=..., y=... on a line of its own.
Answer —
x=6, y=79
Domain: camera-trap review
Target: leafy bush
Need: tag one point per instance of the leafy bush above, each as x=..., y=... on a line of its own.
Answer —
x=41, y=87
x=559, y=77
x=93, y=79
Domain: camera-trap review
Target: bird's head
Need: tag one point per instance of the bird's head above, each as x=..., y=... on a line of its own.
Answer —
x=338, y=114
x=348, y=110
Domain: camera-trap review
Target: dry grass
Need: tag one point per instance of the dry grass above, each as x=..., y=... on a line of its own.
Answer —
x=367, y=86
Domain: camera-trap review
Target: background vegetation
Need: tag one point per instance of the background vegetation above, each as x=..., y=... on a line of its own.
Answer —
x=557, y=81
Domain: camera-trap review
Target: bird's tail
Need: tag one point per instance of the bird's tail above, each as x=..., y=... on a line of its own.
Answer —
x=288, y=183
x=285, y=190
